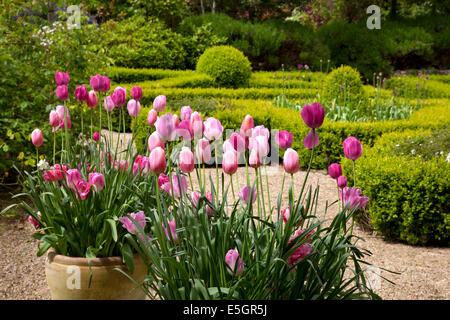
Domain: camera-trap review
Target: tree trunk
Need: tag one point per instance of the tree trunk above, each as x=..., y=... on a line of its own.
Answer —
x=201, y=5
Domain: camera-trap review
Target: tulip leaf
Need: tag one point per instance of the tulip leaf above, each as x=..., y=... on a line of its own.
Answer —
x=112, y=224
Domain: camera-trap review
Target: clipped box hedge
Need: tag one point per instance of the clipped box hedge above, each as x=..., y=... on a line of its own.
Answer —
x=331, y=134
x=129, y=75
x=409, y=197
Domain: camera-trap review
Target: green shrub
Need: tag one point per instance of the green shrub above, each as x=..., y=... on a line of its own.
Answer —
x=344, y=85
x=128, y=75
x=226, y=65
x=414, y=87
x=409, y=197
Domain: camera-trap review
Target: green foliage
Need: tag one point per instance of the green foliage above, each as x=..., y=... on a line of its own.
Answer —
x=31, y=51
x=409, y=195
x=226, y=65
x=418, y=87
x=344, y=86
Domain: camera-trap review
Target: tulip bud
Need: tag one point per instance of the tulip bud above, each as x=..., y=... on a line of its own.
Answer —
x=229, y=162
x=62, y=92
x=244, y=194
x=81, y=93
x=335, y=170
x=158, y=160
x=136, y=93
x=92, y=99
x=254, y=159
x=290, y=161
x=247, y=126
x=154, y=141
x=37, y=138
x=203, y=151
x=352, y=148
x=284, y=139
x=313, y=115
x=152, y=117
x=62, y=78
x=231, y=258
x=342, y=182
x=173, y=231
x=159, y=104
x=108, y=104
x=134, y=108
x=186, y=160
x=96, y=136
x=185, y=113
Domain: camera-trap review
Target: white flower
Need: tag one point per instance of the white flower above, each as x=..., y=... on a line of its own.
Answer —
x=448, y=157
x=42, y=165
x=413, y=151
x=397, y=145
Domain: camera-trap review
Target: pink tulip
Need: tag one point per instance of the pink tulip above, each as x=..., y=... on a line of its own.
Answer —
x=313, y=115
x=119, y=96
x=186, y=160
x=213, y=129
x=60, y=110
x=81, y=93
x=238, y=142
x=108, y=104
x=82, y=189
x=163, y=179
x=136, y=93
x=254, y=160
x=299, y=253
x=227, y=146
x=284, y=139
x=203, y=151
x=62, y=92
x=128, y=224
x=165, y=128
x=231, y=258
x=72, y=177
x=158, y=160
x=260, y=131
x=335, y=170
x=342, y=182
x=62, y=78
x=69, y=123
x=97, y=180
x=308, y=141
x=183, y=131
x=244, y=194
x=196, y=126
x=247, y=126
x=229, y=162
x=37, y=138
x=54, y=119
x=159, y=104
x=91, y=100
x=144, y=165
x=179, y=185
x=176, y=120
x=96, y=136
x=195, y=196
x=154, y=141
x=209, y=209
x=34, y=221
x=107, y=84
x=260, y=144
x=185, y=113
x=352, y=148
x=134, y=108
x=152, y=117
x=290, y=161
x=56, y=173
x=173, y=231
x=352, y=197
x=121, y=166
x=100, y=83
x=286, y=213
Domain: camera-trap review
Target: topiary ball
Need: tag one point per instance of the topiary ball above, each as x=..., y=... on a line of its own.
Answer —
x=228, y=66
x=344, y=85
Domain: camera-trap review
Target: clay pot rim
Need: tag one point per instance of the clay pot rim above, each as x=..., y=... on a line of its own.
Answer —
x=81, y=261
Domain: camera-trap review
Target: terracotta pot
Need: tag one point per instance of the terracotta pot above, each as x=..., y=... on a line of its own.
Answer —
x=68, y=278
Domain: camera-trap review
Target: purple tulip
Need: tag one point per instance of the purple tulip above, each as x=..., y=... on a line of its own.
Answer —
x=284, y=139
x=119, y=96
x=352, y=148
x=352, y=197
x=136, y=93
x=96, y=136
x=342, y=182
x=62, y=78
x=308, y=141
x=335, y=170
x=62, y=92
x=81, y=93
x=313, y=115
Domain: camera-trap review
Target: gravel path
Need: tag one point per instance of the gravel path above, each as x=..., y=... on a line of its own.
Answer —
x=424, y=271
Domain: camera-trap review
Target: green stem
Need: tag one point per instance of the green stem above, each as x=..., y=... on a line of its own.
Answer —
x=310, y=163
x=268, y=191
x=232, y=188
x=263, y=202
x=37, y=156
x=339, y=197
x=190, y=180
x=354, y=175
x=82, y=125
x=54, y=146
